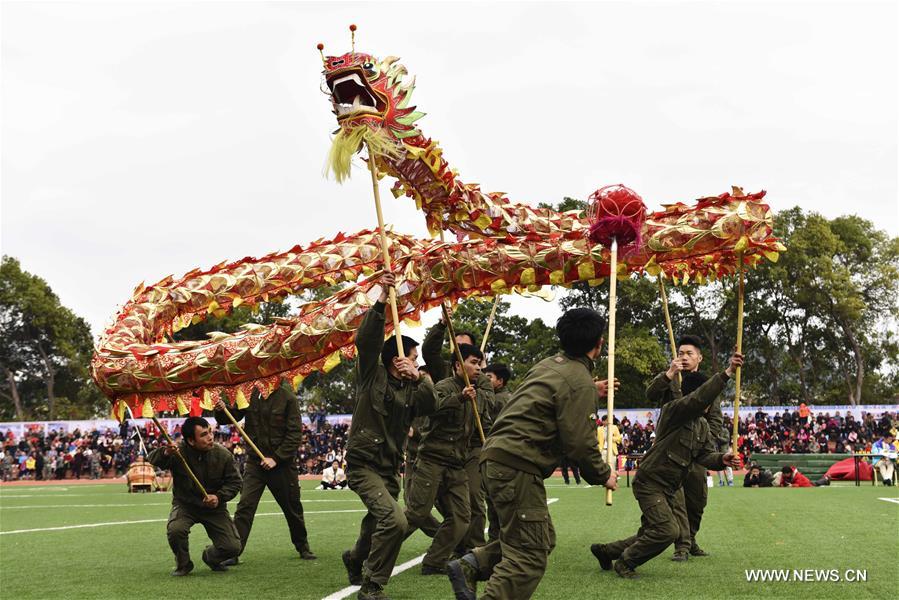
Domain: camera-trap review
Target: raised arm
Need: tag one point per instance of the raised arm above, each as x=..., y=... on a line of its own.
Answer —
x=424, y=399
x=369, y=341
x=694, y=404
x=665, y=382
x=431, y=352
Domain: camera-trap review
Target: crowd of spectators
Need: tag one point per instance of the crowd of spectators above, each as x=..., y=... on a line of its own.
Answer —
x=797, y=432
x=804, y=432
x=97, y=454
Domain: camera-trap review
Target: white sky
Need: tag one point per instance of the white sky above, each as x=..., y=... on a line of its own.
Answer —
x=146, y=139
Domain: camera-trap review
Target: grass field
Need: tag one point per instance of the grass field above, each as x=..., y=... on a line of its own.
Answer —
x=126, y=555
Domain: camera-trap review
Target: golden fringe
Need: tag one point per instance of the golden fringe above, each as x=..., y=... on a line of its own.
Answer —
x=348, y=142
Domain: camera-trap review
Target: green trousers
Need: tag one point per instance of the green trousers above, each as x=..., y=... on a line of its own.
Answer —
x=430, y=525
x=514, y=564
x=474, y=537
x=219, y=528
x=689, y=505
x=383, y=526
x=283, y=482
x=659, y=527
x=447, y=487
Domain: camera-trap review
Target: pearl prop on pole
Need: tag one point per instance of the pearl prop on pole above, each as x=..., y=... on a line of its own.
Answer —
x=616, y=214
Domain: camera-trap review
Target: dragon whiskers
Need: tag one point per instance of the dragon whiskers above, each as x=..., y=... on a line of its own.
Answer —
x=348, y=142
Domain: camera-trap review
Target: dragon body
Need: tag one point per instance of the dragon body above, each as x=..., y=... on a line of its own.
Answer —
x=498, y=246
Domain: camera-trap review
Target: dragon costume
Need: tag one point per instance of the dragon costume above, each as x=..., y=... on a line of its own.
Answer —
x=497, y=246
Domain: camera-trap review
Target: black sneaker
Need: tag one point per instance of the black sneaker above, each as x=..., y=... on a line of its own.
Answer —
x=697, y=551
x=182, y=571
x=231, y=562
x=680, y=556
x=624, y=570
x=463, y=576
x=605, y=561
x=432, y=570
x=371, y=591
x=213, y=565
x=353, y=569
x=307, y=554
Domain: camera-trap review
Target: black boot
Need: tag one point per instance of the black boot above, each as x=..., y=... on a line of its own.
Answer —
x=605, y=561
x=463, y=576
x=182, y=571
x=353, y=568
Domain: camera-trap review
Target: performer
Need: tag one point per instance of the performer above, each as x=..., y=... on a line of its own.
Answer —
x=547, y=417
x=390, y=392
x=275, y=425
x=333, y=477
x=691, y=499
x=431, y=350
x=440, y=468
x=499, y=375
x=682, y=441
x=601, y=435
x=217, y=472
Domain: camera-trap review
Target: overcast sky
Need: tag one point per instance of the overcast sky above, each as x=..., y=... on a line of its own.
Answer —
x=146, y=139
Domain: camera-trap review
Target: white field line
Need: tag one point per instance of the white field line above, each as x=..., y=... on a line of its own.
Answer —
x=893, y=500
x=34, y=488
x=352, y=589
x=138, y=505
x=87, y=525
x=583, y=486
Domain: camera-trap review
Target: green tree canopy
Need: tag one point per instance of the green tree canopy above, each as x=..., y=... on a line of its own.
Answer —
x=46, y=351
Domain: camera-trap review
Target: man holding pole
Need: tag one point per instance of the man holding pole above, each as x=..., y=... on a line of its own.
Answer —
x=431, y=350
x=390, y=393
x=549, y=416
x=690, y=501
x=205, y=478
x=499, y=375
x=682, y=440
x=272, y=434
x=440, y=468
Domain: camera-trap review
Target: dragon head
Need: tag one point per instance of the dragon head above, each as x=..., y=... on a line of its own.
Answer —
x=374, y=93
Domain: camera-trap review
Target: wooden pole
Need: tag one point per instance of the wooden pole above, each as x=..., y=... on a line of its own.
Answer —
x=373, y=169
x=458, y=353
x=737, y=375
x=181, y=456
x=610, y=394
x=243, y=433
x=668, y=324
x=489, y=323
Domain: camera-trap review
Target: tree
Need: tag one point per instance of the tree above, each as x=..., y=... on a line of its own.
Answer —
x=513, y=340
x=46, y=352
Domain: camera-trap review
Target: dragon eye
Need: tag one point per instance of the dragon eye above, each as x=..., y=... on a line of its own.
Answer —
x=368, y=66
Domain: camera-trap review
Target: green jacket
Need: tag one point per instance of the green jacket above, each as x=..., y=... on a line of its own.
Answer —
x=274, y=424
x=683, y=437
x=662, y=390
x=414, y=441
x=500, y=399
x=549, y=416
x=385, y=406
x=446, y=437
x=439, y=369
x=216, y=470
